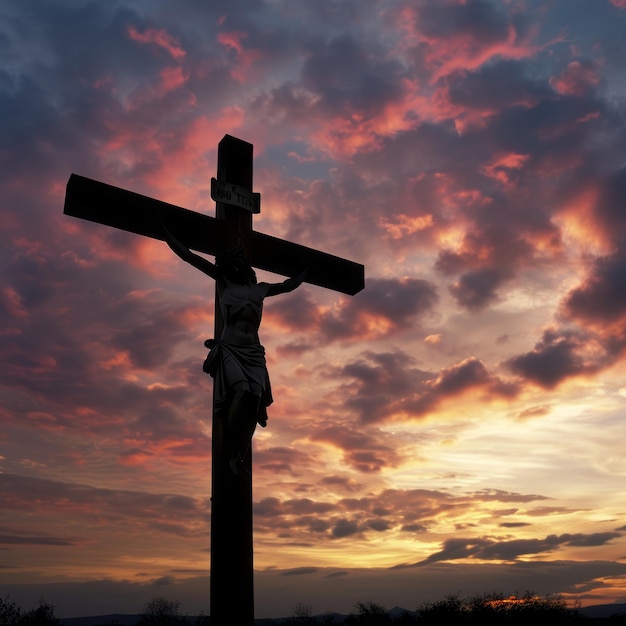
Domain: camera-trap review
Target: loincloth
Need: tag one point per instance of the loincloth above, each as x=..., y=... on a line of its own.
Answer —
x=250, y=359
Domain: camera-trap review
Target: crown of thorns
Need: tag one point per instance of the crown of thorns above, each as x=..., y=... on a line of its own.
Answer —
x=228, y=256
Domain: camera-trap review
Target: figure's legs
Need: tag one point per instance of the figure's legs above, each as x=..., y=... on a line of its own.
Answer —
x=243, y=410
x=242, y=416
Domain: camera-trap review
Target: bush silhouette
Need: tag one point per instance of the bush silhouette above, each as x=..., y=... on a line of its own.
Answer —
x=160, y=612
x=369, y=614
x=498, y=610
x=12, y=615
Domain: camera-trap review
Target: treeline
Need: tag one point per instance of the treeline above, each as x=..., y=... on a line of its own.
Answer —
x=12, y=615
x=484, y=610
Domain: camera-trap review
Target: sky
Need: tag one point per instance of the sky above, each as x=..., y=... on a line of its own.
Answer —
x=454, y=428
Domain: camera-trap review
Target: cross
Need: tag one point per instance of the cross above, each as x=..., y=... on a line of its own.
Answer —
x=231, y=587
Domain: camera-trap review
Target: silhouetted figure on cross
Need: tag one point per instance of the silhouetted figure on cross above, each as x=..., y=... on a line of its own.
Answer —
x=236, y=359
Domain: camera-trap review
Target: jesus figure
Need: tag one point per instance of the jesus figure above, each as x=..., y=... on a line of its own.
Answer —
x=236, y=360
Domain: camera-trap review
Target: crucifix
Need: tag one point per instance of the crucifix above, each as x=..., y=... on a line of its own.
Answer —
x=231, y=587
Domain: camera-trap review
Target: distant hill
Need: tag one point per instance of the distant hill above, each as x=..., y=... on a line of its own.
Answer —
x=601, y=611
x=102, y=620
x=598, y=611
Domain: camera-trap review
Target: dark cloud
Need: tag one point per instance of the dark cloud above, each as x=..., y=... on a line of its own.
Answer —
x=168, y=512
x=601, y=298
x=345, y=528
x=340, y=482
x=382, y=308
x=476, y=289
x=385, y=385
x=381, y=382
x=477, y=20
x=497, y=86
x=365, y=452
x=349, y=78
x=598, y=307
x=37, y=540
x=300, y=571
x=278, y=460
x=488, y=549
x=559, y=355
x=387, y=511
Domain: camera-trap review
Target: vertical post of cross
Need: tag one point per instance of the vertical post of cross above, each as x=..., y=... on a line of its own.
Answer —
x=232, y=584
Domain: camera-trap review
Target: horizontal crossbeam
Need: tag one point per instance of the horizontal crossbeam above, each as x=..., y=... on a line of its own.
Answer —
x=99, y=202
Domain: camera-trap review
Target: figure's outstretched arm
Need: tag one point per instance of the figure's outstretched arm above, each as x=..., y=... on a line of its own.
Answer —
x=182, y=251
x=288, y=285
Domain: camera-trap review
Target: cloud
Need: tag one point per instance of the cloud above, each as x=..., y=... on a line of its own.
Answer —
x=160, y=38
x=593, y=334
x=559, y=355
x=383, y=308
x=385, y=386
x=300, y=571
x=578, y=78
x=600, y=301
x=464, y=36
x=41, y=540
x=388, y=513
x=167, y=513
x=350, y=79
x=477, y=288
x=488, y=549
x=365, y=452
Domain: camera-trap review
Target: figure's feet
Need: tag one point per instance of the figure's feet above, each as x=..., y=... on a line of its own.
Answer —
x=262, y=422
x=238, y=467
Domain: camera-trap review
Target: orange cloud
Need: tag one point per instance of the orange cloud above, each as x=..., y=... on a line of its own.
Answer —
x=134, y=458
x=501, y=166
x=578, y=222
x=404, y=225
x=158, y=38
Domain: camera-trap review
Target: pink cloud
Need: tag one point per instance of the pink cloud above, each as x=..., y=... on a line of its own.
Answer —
x=502, y=166
x=158, y=38
x=620, y=4
x=465, y=52
x=172, y=78
x=245, y=57
x=461, y=36
x=130, y=146
x=578, y=79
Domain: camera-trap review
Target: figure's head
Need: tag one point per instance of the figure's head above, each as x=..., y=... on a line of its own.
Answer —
x=235, y=266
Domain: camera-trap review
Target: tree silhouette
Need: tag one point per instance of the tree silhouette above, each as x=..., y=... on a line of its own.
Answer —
x=160, y=612
x=43, y=615
x=499, y=610
x=10, y=613
x=369, y=614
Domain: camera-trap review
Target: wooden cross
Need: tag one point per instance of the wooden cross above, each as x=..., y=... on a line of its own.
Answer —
x=232, y=591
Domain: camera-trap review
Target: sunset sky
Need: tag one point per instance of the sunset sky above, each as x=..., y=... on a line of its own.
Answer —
x=456, y=427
